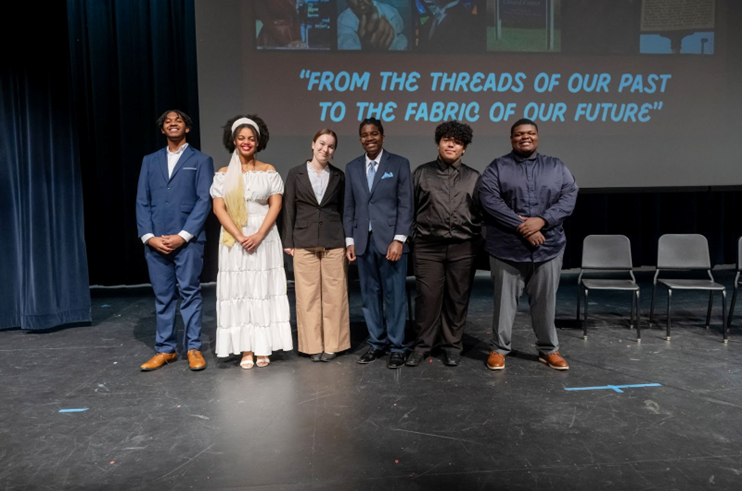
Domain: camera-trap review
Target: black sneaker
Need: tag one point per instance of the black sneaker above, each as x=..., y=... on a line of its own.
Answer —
x=370, y=355
x=415, y=359
x=452, y=359
x=396, y=360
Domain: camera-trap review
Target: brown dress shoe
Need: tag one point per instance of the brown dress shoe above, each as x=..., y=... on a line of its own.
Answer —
x=496, y=361
x=554, y=360
x=196, y=360
x=157, y=361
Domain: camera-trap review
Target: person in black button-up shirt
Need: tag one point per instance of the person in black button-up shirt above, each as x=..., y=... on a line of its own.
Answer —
x=446, y=239
x=526, y=196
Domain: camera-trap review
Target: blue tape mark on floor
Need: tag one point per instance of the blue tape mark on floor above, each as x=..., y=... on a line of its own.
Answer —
x=79, y=410
x=617, y=388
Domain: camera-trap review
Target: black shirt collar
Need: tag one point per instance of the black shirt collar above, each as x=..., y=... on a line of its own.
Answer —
x=443, y=166
x=521, y=159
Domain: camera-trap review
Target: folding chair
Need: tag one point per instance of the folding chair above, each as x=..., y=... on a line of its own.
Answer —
x=737, y=283
x=608, y=254
x=686, y=252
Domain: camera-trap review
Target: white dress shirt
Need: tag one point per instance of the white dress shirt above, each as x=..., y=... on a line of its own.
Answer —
x=319, y=182
x=172, y=161
x=399, y=238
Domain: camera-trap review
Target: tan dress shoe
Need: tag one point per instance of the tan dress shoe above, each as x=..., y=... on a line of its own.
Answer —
x=496, y=361
x=554, y=360
x=157, y=361
x=196, y=360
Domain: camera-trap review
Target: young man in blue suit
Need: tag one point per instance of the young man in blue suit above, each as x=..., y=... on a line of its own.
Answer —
x=173, y=203
x=377, y=220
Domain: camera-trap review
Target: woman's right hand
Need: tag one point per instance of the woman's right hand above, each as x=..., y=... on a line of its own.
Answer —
x=290, y=251
x=242, y=240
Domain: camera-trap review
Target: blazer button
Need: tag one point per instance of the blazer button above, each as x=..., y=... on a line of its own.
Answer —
x=167, y=202
x=320, y=223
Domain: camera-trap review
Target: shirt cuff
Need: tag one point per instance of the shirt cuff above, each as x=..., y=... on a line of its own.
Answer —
x=186, y=235
x=146, y=237
x=401, y=238
x=349, y=241
x=543, y=217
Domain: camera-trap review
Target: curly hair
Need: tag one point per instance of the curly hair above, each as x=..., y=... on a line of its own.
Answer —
x=459, y=132
x=230, y=136
x=186, y=119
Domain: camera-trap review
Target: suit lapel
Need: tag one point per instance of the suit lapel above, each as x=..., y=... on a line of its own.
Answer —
x=162, y=163
x=332, y=183
x=380, y=171
x=303, y=179
x=187, y=154
x=362, y=174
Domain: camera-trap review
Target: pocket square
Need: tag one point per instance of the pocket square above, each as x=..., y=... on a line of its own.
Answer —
x=189, y=168
x=387, y=175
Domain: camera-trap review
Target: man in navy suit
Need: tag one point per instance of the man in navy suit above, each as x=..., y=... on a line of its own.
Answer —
x=377, y=220
x=173, y=203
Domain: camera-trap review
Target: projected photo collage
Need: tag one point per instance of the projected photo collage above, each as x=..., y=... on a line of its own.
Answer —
x=476, y=26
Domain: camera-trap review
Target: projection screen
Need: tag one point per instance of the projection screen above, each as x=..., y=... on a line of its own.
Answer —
x=628, y=93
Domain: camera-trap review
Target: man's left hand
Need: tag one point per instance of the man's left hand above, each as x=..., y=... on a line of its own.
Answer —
x=173, y=241
x=530, y=225
x=394, y=253
x=536, y=239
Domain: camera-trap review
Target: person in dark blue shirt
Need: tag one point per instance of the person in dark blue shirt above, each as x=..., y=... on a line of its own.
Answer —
x=526, y=196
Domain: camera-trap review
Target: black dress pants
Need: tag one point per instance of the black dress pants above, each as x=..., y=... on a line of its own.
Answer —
x=444, y=274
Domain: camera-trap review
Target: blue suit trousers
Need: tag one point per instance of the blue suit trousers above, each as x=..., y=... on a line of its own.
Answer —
x=384, y=299
x=169, y=274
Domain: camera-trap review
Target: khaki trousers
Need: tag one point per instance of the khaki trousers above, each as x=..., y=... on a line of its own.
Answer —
x=322, y=317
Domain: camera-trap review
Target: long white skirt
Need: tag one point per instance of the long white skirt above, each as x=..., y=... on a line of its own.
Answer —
x=252, y=308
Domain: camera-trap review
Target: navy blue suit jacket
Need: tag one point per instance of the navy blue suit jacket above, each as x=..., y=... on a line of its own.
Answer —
x=165, y=206
x=388, y=206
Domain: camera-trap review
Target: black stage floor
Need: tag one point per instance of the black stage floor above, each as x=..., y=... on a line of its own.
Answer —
x=302, y=425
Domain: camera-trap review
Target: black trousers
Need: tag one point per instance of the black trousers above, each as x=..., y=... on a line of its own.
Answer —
x=444, y=274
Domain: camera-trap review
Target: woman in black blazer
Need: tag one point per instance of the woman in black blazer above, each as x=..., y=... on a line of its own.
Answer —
x=313, y=235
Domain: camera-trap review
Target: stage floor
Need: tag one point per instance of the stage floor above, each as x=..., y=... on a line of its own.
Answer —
x=302, y=425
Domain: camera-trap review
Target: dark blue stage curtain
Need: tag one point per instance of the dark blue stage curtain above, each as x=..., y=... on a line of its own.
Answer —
x=131, y=60
x=43, y=266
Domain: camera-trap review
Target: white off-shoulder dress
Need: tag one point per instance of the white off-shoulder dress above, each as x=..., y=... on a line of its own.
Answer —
x=252, y=309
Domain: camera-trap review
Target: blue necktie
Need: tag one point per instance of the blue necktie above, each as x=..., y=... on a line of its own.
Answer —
x=371, y=174
x=370, y=177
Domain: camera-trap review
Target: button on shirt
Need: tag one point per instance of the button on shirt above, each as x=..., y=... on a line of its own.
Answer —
x=446, y=207
x=172, y=161
x=319, y=181
x=534, y=186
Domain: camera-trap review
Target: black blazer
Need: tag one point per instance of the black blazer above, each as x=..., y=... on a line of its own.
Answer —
x=307, y=223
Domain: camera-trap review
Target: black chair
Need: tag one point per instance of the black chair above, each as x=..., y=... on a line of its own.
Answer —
x=686, y=252
x=737, y=283
x=608, y=254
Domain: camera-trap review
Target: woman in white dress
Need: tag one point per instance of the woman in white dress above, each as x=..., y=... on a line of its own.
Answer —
x=252, y=308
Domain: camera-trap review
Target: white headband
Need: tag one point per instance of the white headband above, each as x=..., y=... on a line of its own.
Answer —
x=247, y=121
